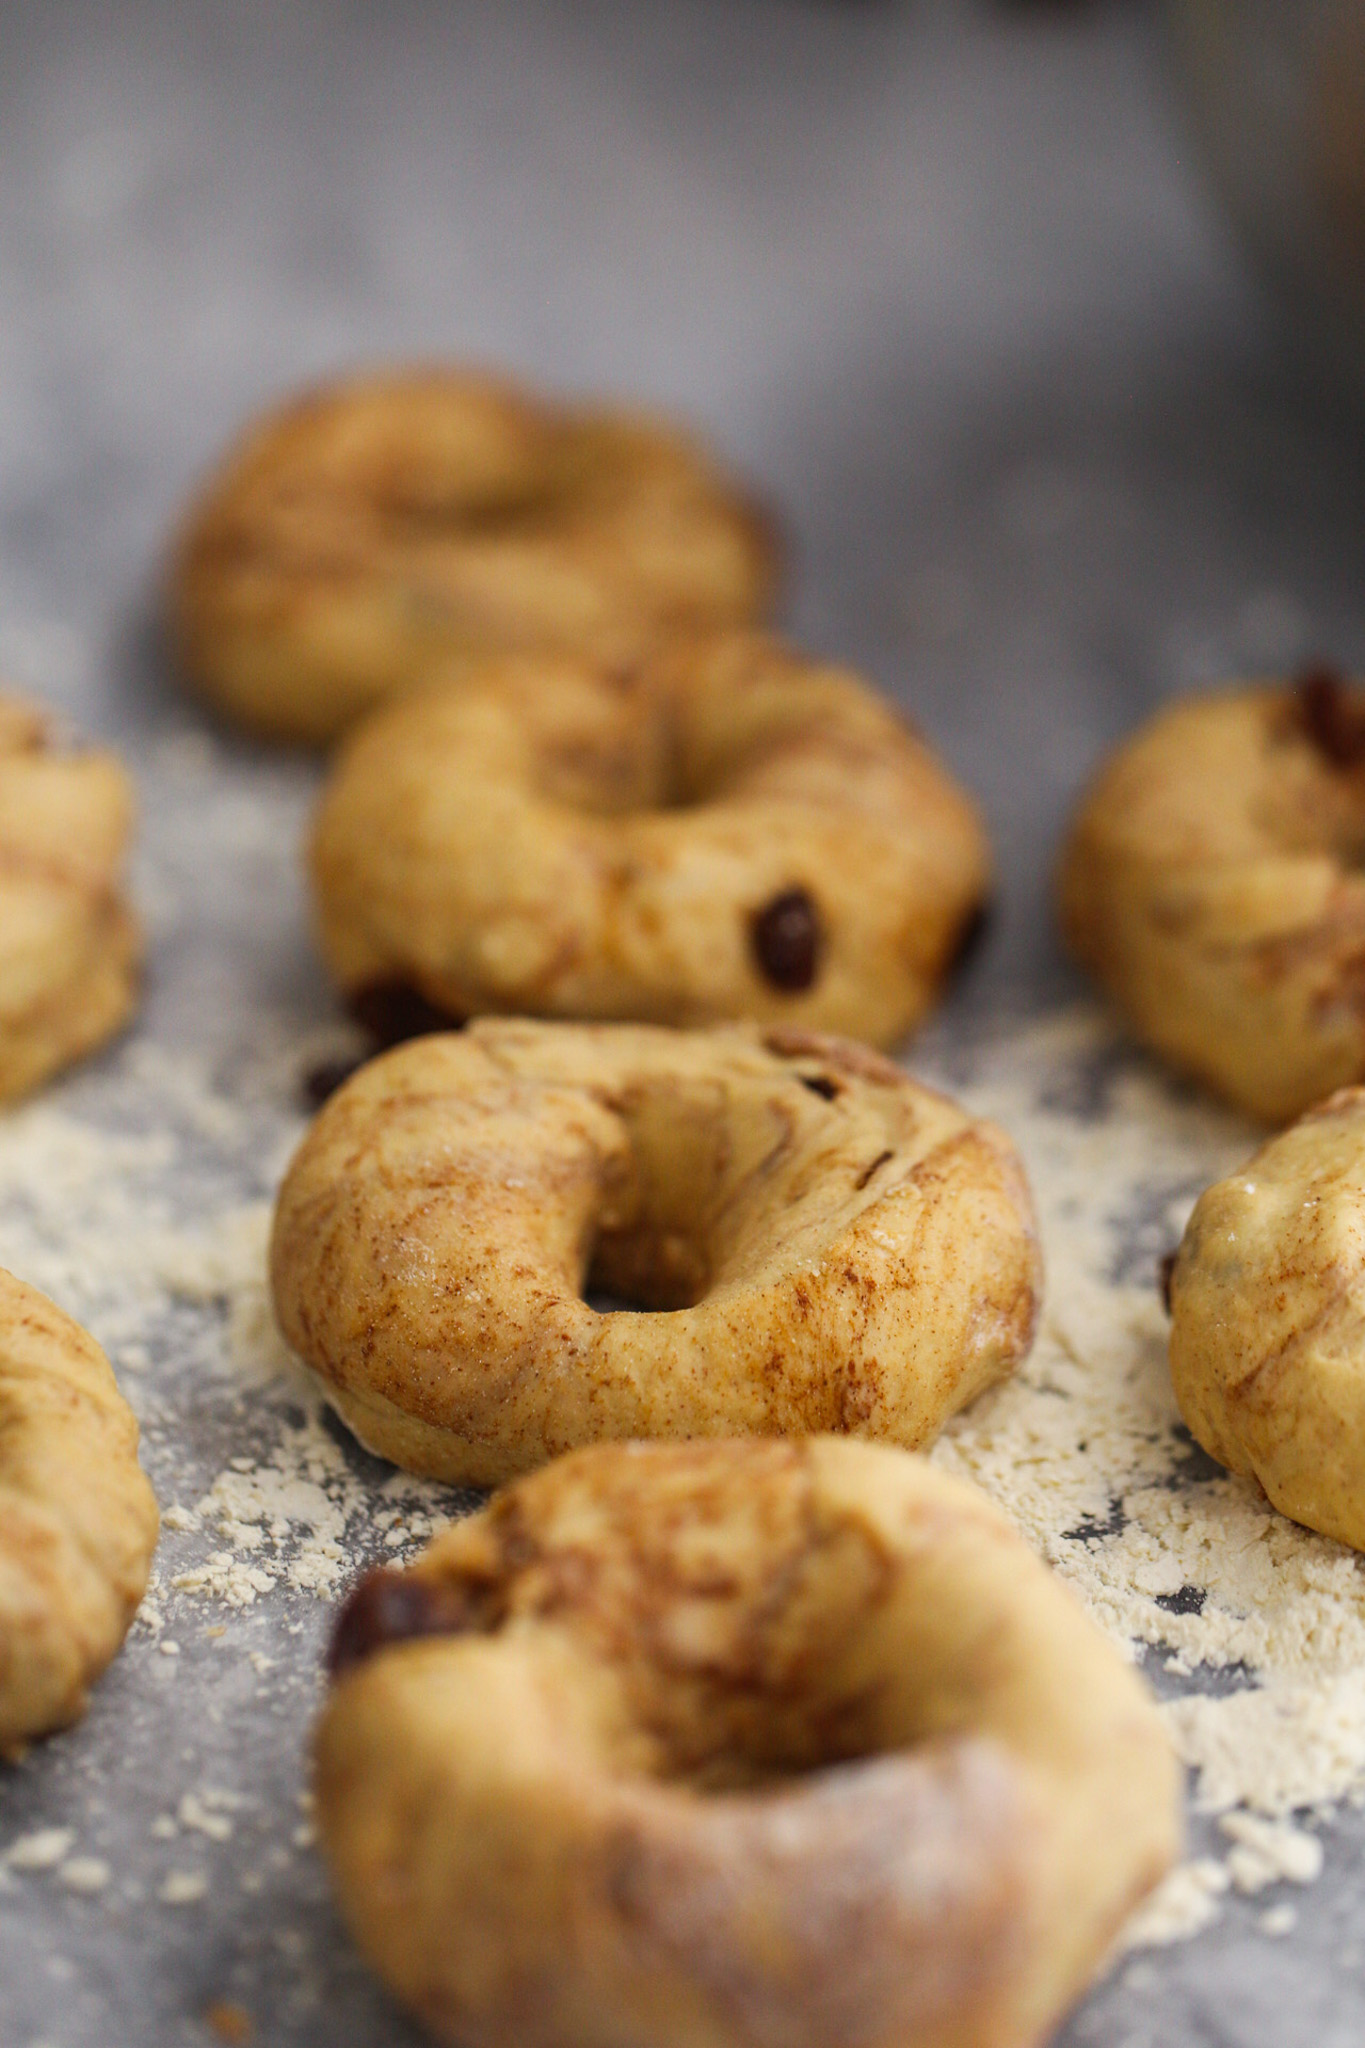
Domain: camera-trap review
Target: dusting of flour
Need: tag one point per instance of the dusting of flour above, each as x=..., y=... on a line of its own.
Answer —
x=142, y=1203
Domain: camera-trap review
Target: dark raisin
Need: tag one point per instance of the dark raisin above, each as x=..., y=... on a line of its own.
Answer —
x=1333, y=715
x=393, y=1607
x=1165, y=1273
x=392, y=1011
x=970, y=936
x=786, y=940
x=820, y=1084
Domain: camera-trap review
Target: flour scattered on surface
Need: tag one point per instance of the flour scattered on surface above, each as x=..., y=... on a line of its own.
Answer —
x=1183, y=1904
x=198, y=1814
x=300, y=1517
x=143, y=1205
x=43, y=1849
x=1270, y=1852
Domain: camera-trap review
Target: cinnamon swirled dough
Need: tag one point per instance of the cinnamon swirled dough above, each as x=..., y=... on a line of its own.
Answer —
x=1214, y=883
x=735, y=830
x=78, y=1522
x=385, y=524
x=737, y=1745
x=69, y=944
x=1268, y=1319
x=822, y=1244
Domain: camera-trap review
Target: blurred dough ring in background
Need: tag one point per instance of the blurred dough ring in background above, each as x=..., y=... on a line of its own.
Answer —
x=78, y=1522
x=841, y=1248
x=727, y=1745
x=69, y=946
x=1212, y=883
x=377, y=526
x=1268, y=1319
x=735, y=831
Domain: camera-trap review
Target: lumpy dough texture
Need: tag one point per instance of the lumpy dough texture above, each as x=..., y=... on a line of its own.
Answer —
x=731, y=831
x=387, y=523
x=69, y=945
x=1213, y=883
x=1268, y=1319
x=78, y=1522
x=820, y=1244
x=737, y=1745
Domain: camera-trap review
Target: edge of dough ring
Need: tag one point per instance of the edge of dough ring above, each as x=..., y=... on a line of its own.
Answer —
x=830, y=1245
x=70, y=946
x=1267, y=1343
x=78, y=1519
x=734, y=1744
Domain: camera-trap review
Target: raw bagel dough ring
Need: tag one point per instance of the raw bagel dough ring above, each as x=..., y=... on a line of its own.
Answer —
x=78, y=1521
x=737, y=831
x=1212, y=883
x=734, y=1745
x=1268, y=1319
x=840, y=1248
x=375, y=526
x=69, y=945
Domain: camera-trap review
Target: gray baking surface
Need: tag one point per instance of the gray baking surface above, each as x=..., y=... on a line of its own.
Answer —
x=943, y=282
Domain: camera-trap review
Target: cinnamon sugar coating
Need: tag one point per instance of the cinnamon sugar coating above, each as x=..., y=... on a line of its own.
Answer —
x=818, y=1243
x=1214, y=883
x=1268, y=1319
x=377, y=527
x=741, y=1744
x=731, y=830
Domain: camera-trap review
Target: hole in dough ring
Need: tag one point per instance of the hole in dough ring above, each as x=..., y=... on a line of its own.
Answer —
x=374, y=527
x=1214, y=883
x=733, y=831
x=739, y=1745
x=858, y=1254
x=78, y=1522
x=70, y=947
x=1267, y=1328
